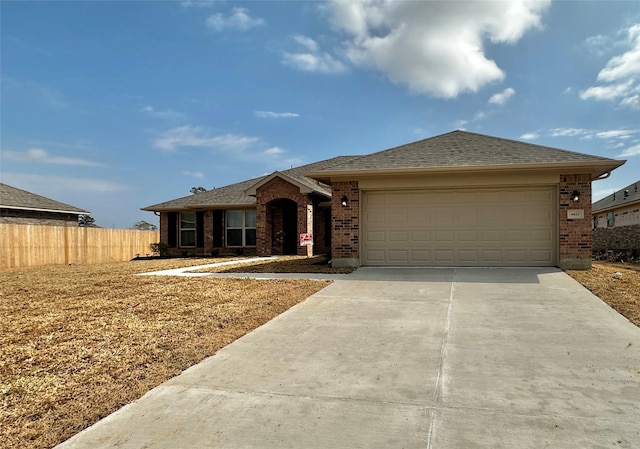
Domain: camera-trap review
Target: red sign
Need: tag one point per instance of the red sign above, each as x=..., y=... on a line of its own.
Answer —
x=306, y=239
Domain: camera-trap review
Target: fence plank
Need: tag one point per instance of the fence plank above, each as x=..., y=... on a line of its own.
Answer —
x=35, y=245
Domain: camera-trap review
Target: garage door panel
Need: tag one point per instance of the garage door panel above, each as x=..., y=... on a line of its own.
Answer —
x=375, y=236
x=444, y=256
x=465, y=227
x=421, y=256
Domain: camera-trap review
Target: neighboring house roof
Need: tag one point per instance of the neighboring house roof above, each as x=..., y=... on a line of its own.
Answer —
x=623, y=197
x=14, y=198
x=242, y=194
x=465, y=151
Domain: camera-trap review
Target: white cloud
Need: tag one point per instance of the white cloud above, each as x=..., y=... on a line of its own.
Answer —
x=567, y=132
x=270, y=114
x=198, y=137
x=615, y=138
x=39, y=155
x=194, y=174
x=631, y=151
x=502, y=97
x=165, y=114
x=312, y=60
x=275, y=151
x=622, y=73
x=309, y=62
x=435, y=48
x=239, y=20
x=55, y=184
x=615, y=133
x=306, y=42
x=197, y=3
x=530, y=136
x=608, y=92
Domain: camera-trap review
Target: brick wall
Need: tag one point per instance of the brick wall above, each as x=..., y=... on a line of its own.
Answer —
x=624, y=238
x=575, y=236
x=278, y=189
x=345, y=237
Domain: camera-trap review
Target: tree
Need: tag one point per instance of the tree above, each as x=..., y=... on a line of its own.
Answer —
x=86, y=221
x=145, y=226
x=196, y=190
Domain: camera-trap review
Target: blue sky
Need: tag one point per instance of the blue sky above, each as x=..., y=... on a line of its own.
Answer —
x=112, y=106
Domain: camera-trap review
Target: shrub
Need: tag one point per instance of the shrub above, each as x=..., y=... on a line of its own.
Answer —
x=159, y=248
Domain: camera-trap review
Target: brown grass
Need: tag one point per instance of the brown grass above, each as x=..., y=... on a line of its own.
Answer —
x=285, y=264
x=622, y=294
x=78, y=342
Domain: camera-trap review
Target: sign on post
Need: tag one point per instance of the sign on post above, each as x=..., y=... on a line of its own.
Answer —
x=306, y=239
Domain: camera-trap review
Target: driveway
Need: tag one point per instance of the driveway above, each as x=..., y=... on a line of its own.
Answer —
x=408, y=358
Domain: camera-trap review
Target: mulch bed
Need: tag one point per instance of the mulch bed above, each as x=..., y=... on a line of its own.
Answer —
x=283, y=264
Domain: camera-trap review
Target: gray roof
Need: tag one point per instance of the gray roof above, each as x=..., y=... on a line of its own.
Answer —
x=459, y=149
x=234, y=195
x=618, y=199
x=14, y=198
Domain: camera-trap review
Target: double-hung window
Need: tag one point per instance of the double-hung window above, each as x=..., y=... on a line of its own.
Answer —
x=187, y=229
x=610, y=219
x=241, y=227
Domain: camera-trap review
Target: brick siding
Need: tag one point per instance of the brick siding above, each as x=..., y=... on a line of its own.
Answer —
x=345, y=238
x=575, y=237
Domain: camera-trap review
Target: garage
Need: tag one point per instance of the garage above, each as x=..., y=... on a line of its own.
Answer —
x=514, y=226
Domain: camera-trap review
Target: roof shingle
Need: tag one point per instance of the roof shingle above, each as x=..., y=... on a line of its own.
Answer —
x=14, y=198
x=628, y=195
x=462, y=149
x=234, y=195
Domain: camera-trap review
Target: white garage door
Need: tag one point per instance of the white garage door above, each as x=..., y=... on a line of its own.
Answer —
x=466, y=227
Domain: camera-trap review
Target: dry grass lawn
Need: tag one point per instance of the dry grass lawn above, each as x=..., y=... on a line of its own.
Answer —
x=621, y=294
x=79, y=342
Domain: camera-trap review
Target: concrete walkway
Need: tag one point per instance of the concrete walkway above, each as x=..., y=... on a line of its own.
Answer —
x=408, y=358
x=189, y=272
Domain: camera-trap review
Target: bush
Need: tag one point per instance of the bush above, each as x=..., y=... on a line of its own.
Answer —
x=160, y=248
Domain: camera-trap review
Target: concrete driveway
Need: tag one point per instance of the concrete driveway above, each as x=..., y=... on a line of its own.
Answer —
x=408, y=358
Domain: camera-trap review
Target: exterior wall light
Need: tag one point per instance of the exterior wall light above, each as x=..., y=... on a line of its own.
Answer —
x=344, y=201
x=575, y=196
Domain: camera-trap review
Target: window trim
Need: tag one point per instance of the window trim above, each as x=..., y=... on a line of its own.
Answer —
x=182, y=229
x=243, y=228
x=611, y=220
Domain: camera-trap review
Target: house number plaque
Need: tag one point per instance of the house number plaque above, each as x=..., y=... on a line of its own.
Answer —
x=575, y=214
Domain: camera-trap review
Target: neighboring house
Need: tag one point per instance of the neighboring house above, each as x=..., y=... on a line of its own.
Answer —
x=458, y=199
x=616, y=221
x=22, y=207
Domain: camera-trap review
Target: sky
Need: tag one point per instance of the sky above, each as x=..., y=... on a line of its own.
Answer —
x=112, y=106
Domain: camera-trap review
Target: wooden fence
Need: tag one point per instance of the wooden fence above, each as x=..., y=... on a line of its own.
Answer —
x=23, y=245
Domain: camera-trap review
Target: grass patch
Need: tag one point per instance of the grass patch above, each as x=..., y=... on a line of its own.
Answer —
x=622, y=294
x=79, y=342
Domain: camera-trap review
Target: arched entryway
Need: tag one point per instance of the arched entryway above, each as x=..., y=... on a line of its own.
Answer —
x=283, y=221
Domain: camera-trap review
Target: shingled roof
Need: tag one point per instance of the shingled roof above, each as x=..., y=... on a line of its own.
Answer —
x=462, y=149
x=623, y=197
x=235, y=195
x=14, y=198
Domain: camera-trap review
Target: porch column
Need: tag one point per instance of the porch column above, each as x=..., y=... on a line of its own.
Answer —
x=310, y=228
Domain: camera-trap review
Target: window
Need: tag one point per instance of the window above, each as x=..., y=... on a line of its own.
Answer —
x=241, y=228
x=610, y=219
x=187, y=229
